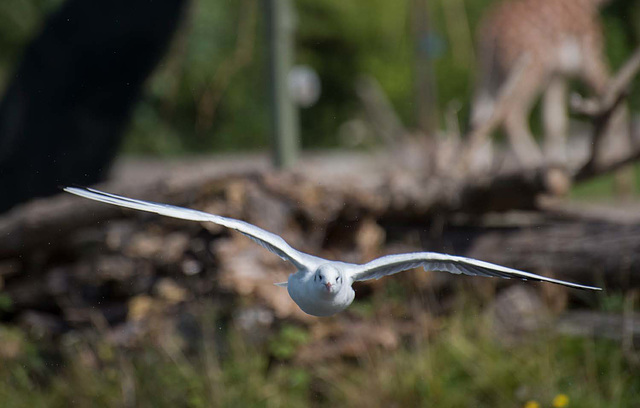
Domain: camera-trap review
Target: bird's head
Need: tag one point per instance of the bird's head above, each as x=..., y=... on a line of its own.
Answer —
x=328, y=279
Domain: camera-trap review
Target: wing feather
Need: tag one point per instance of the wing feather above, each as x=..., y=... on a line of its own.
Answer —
x=268, y=240
x=432, y=261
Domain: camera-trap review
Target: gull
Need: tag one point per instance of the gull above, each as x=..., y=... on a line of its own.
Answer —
x=321, y=287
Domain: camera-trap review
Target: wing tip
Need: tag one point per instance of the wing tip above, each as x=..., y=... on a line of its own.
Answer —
x=585, y=287
x=72, y=190
x=90, y=193
x=573, y=285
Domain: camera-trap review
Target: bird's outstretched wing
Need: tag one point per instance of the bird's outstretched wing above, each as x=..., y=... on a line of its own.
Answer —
x=268, y=240
x=432, y=261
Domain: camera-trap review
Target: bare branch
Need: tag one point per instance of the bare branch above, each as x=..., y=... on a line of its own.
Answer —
x=617, y=89
x=379, y=111
x=242, y=56
x=602, y=111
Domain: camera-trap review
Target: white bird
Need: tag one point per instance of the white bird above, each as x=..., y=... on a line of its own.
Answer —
x=321, y=287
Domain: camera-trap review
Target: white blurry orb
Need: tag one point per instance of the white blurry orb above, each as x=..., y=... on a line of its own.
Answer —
x=304, y=85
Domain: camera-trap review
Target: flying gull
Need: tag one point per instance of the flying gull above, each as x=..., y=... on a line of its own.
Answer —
x=321, y=287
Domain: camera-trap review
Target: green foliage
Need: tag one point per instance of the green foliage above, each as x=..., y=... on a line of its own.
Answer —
x=341, y=40
x=20, y=21
x=166, y=121
x=613, y=303
x=462, y=364
x=465, y=366
x=286, y=343
x=603, y=187
x=6, y=303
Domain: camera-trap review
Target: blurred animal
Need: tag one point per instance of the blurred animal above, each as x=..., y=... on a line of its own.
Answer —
x=552, y=41
x=319, y=286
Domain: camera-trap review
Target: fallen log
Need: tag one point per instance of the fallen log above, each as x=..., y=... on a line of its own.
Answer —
x=314, y=203
x=587, y=323
x=584, y=251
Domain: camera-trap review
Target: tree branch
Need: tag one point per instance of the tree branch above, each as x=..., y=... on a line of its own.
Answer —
x=602, y=112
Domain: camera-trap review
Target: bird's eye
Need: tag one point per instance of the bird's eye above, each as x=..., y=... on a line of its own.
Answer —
x=337, y=279
x=320, y=278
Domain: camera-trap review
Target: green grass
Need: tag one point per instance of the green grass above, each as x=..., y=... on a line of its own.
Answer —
x=603, y=187
x=462, y=365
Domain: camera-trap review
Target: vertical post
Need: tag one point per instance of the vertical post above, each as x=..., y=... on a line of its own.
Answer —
x=284, y=115
x=425, y=84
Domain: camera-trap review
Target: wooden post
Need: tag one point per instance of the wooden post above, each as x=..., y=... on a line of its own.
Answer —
x=425, y=84
x=284, y=115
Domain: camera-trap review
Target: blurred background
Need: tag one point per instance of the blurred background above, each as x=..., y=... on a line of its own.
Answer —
x=351, y=129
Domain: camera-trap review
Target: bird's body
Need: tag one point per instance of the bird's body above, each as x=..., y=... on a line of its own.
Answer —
x=322, y=287
x=301, y=288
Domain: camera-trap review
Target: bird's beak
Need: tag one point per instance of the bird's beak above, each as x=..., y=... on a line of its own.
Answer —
x=328, y=285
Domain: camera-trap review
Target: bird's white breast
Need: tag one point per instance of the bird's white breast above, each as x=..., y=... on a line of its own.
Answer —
x=315, y=303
